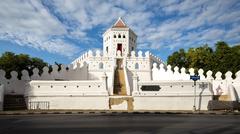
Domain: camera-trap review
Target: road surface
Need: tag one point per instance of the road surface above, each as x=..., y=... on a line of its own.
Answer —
x=119, y=124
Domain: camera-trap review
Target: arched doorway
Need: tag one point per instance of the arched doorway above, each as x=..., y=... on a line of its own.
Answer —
x=119, y=47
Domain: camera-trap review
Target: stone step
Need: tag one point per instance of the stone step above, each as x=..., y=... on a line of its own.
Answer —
x=14, y=108
x=224, y=98
x=121, y=102
x=223, y=105
x=119, y=83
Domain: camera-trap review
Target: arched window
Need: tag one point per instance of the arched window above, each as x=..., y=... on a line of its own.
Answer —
x=107, y=49
x=119, y=35
x=132, y=48
x=100, y=65
x=123, y=36
x=136, y=66
x=114, y=36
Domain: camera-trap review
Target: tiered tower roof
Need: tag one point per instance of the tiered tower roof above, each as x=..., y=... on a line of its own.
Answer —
x=119, y=24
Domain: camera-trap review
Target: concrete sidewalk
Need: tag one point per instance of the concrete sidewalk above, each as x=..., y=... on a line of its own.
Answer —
x=30, y=112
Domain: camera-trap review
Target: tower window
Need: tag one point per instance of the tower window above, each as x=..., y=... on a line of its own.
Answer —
x=107, y=49
x=119, y=36
x=132, y=48
x=123, y=36
x=114, y=36
x=100, y=65
x=136, y=66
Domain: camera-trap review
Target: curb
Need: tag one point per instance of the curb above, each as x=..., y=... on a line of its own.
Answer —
x=118, y=112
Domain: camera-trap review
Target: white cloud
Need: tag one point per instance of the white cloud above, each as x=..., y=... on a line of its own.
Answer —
x=158, y=24
x=195, y=22
x=89, y=14
x=28, y=23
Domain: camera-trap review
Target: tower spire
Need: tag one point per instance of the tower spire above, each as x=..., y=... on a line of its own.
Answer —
x=119, y=23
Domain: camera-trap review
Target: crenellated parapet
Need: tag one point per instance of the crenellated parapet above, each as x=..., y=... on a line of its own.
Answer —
x=14, y=85
x=80, y=60
x=141, y=61
x=155, y=59
x=220, y=86
x=159, y=72
x=138, y=61
x=135, y=61
x=94, y=59
x=223, y=86
x=139, y=55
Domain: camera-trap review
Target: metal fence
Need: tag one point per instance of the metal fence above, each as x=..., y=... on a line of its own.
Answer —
x=35, y=105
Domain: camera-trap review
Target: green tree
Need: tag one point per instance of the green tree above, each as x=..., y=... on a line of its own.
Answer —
x=224, y=58
x=5, y=63
x=178, y=58
x=200, y=57
x=236, y=58
x=12, y=62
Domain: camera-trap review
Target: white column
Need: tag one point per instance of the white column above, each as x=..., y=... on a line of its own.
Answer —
x=135, y=84
x=232, y=93
x=104, y=81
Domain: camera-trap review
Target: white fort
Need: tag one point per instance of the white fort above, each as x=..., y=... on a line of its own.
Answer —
x=119, y=78
x=119, y=60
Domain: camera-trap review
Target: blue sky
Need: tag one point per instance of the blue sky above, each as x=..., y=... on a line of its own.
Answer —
x=61, y=30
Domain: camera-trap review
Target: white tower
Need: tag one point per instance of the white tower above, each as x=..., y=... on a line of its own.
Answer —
x=119, y=38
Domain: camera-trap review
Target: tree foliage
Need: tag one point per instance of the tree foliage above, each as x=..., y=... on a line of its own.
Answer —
x=13, y=62
x=224, y=58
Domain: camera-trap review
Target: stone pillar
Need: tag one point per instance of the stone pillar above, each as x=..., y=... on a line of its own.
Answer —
x=232, y=93
x=104, y=81
x=135, y=84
